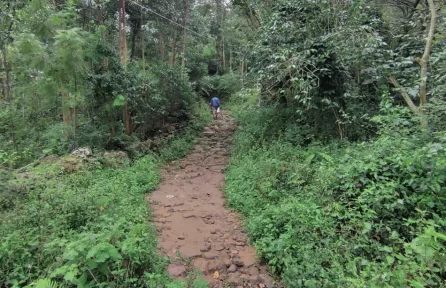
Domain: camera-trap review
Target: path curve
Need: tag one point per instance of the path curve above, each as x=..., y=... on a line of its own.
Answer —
x=196, y=230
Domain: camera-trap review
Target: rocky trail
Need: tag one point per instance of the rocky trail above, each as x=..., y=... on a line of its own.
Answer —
x=196, y=230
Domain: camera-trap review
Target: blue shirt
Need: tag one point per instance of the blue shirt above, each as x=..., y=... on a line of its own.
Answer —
x=215, y=102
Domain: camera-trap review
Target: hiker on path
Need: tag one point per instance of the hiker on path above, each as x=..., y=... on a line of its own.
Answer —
x=215, y=107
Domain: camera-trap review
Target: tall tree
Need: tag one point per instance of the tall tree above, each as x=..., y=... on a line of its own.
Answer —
x=186, y=18
x=423, y=62
x=123, y=55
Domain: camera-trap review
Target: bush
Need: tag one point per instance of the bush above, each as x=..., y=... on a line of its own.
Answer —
x=89, y=228
x=224, y=86
x=82, y=227
x=344, y=214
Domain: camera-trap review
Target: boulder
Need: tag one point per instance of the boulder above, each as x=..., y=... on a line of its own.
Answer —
x=83, y=152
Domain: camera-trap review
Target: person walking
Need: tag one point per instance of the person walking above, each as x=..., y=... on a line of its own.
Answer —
x=215, y=107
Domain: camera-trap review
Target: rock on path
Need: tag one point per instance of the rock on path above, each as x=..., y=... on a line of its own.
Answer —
x=193, y=222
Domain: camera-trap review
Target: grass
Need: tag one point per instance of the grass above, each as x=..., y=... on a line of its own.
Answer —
x=89, y=228
x=339, y=214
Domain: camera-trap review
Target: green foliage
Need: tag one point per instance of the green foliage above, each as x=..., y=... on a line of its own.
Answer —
x=88, y=228
x=223, y=86
x=345, y=214
x=164, y=96
x=331, y=62
x=91, y=222
x=209, y=50
x=61, y=63
x=46, y=283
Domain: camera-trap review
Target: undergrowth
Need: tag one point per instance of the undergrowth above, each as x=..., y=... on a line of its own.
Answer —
x=342, y=214
x=89, y=228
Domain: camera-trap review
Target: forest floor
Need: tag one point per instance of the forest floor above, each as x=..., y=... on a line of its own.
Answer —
x=196, y=230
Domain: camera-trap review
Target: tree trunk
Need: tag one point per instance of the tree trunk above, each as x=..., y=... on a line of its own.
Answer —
x=242, y=65
x=122, y=33
x=143, y=50
x=5, y=81
x=186, y=18
x=172, y=48
x=423, y=61
x=123, y=53
x=426, y=55
x=127, y=120
x=162, y=53
x=218, y=53
x=100, y=16
x=230, y=58
x=67, y=112
x=2, y=79
x=134, y=35
x=223, y=55
x=12, y=129
x=218, y=41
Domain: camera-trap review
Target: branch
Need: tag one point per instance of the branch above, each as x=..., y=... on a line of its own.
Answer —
x=406, y=96
x=414, y=7
x=427, y=50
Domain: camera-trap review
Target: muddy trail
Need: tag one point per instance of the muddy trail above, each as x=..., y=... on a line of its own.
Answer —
x=196, y=230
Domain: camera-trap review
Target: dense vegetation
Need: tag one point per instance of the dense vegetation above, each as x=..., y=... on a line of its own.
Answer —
x=342, y=214
x=125, y=80
x=85, y=223
x=68, y=79
x=338, y=167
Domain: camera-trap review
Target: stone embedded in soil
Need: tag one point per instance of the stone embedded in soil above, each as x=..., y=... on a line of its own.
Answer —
x=189, y=215
x=200, y=264
x=181, y=237
x=227, y=262
x=253, y=271
x=218, y=247
x=238, y=262
x=210, y=255
x=206, y=247
x=267, y=281
x=238, y=238
x=216, y=265
x=234, y=279
x=208, y=221
x=189, y=251
x=232, y=268
x=176, y=270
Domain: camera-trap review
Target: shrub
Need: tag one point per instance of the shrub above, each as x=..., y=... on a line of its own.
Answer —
x=224, y=86
x=89, y=228
x=343, y=214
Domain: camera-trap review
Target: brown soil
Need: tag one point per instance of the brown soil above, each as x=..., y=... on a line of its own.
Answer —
x=196, y=230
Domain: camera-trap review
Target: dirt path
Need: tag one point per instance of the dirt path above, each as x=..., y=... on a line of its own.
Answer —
x=195, y=229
